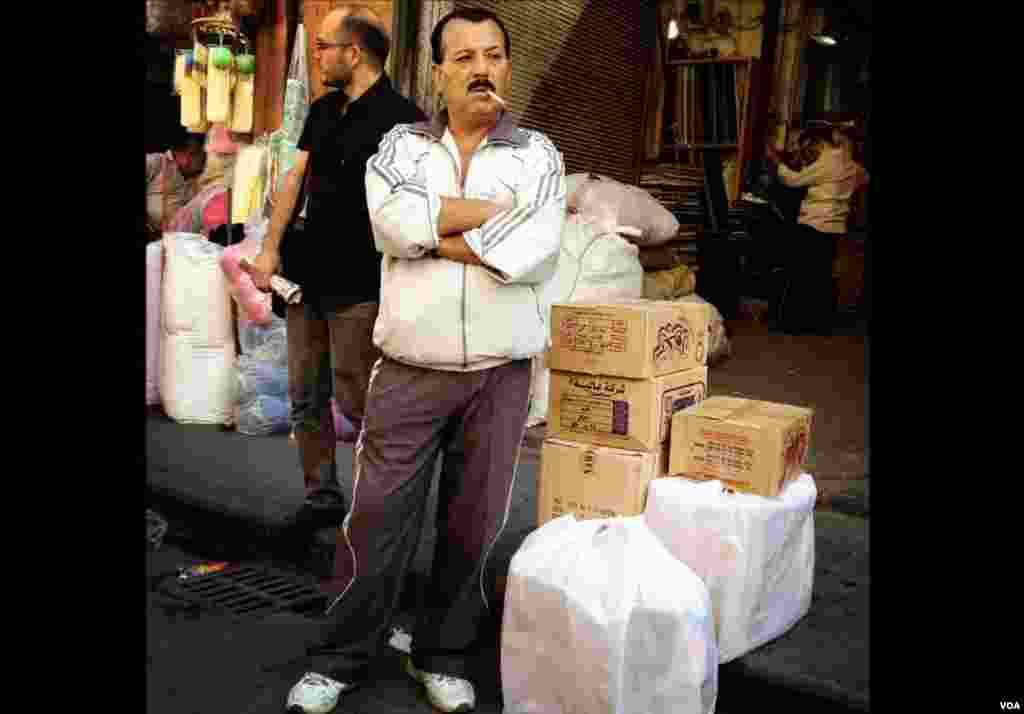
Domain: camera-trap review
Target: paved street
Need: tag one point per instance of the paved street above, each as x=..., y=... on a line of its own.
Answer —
x=227, y=497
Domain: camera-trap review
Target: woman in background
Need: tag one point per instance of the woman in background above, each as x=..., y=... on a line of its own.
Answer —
x=831, y=177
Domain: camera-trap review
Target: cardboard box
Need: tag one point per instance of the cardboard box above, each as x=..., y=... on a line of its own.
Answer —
x=594, y=481
x=618, y=411
x=640, y=339
x=751, y=446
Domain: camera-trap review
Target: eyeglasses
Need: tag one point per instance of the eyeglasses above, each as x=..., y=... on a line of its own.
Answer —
x=321, y=46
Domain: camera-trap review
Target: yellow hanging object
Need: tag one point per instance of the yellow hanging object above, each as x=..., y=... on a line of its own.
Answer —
x=179, y=71
x=241, y=115
x=218, y=85
x=191, y=100
x=200, y=55
x=250, y=175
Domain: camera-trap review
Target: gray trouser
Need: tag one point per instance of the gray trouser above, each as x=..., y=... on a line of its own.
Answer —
x=327, y=351
x=477, y=420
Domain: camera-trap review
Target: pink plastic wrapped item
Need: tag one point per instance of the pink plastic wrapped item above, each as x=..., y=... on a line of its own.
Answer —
x=220, y=141
x=255, y=303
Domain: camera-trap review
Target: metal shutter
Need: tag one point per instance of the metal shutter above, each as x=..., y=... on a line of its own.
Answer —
x=578, y=75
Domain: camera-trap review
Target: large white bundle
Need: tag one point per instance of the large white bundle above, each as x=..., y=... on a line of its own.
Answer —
x=613, y=206
x=755, y=554
x=198, y=342
x=599, y=619
x=154, y=270
x=591, y=267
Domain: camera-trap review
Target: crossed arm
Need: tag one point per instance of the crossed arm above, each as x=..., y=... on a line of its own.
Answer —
x=513, y=242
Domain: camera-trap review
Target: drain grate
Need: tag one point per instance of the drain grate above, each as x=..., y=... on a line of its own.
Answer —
x=249, y=590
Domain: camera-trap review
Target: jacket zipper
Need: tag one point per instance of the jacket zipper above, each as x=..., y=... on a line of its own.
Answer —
x=465, y=349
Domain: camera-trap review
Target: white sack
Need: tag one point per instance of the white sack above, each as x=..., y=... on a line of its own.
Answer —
x=154, y=270
x=755, y=554
x=599, y=619
x=591, y=267
x=612, y=206
x=198, y=342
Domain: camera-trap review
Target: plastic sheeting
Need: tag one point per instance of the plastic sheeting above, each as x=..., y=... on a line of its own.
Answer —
x=755, y=554
x=599, y=619
x=254, y=303
x=197, y=341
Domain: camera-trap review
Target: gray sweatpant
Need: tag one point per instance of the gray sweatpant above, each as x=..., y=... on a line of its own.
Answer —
x=477, y=420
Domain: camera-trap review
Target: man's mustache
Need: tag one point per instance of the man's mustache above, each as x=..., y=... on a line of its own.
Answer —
x=480, y=83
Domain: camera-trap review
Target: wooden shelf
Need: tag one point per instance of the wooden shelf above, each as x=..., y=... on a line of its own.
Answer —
x=717, y=60
x=705, y=146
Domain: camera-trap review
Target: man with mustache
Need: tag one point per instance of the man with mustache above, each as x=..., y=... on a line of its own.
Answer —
x=330, y=335
x=468, y=211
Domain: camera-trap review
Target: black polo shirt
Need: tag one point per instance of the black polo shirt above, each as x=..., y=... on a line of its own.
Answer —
x=339, y=263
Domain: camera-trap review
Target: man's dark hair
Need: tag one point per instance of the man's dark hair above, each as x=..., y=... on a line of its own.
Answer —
x=184, y=140
x=471, y=14
x=370, y=36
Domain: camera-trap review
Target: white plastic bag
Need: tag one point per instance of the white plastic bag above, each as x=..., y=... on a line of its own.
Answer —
x=197, y=358
x=591, y=267
x=264, y=415
x=599, y=618
x=612, y=206
x=154, y=275
x=755, y=554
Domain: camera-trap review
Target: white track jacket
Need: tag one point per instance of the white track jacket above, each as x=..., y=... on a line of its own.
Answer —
x=441, y=314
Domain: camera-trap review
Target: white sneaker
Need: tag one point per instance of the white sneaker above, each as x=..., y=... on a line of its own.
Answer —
x=401, y=640
x=447, y=693
x=315, y=694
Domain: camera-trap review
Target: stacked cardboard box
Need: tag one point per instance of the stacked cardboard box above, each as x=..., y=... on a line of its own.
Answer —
x=750, y=446
x=619, y=371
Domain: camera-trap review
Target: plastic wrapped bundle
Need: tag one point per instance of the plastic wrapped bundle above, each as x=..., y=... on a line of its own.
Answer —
x=248, y=188
x=264, y=416
x=599, y=619
x=197, y=358
x=755, y=554
x=154, y=273
x=615, y=207
x=258, y=377
x=268, y=343
x=205, y=212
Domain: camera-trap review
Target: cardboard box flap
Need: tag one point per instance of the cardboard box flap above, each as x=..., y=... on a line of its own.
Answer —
x=748, y=412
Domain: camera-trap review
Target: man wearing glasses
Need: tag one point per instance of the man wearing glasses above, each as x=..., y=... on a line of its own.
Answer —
x=468, y=211
x=330, y=333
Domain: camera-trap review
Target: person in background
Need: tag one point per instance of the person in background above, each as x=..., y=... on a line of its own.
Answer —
x=330, y=334
x=170, y=178
x=208, y=209
x=831, y=177
x=468, y=211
